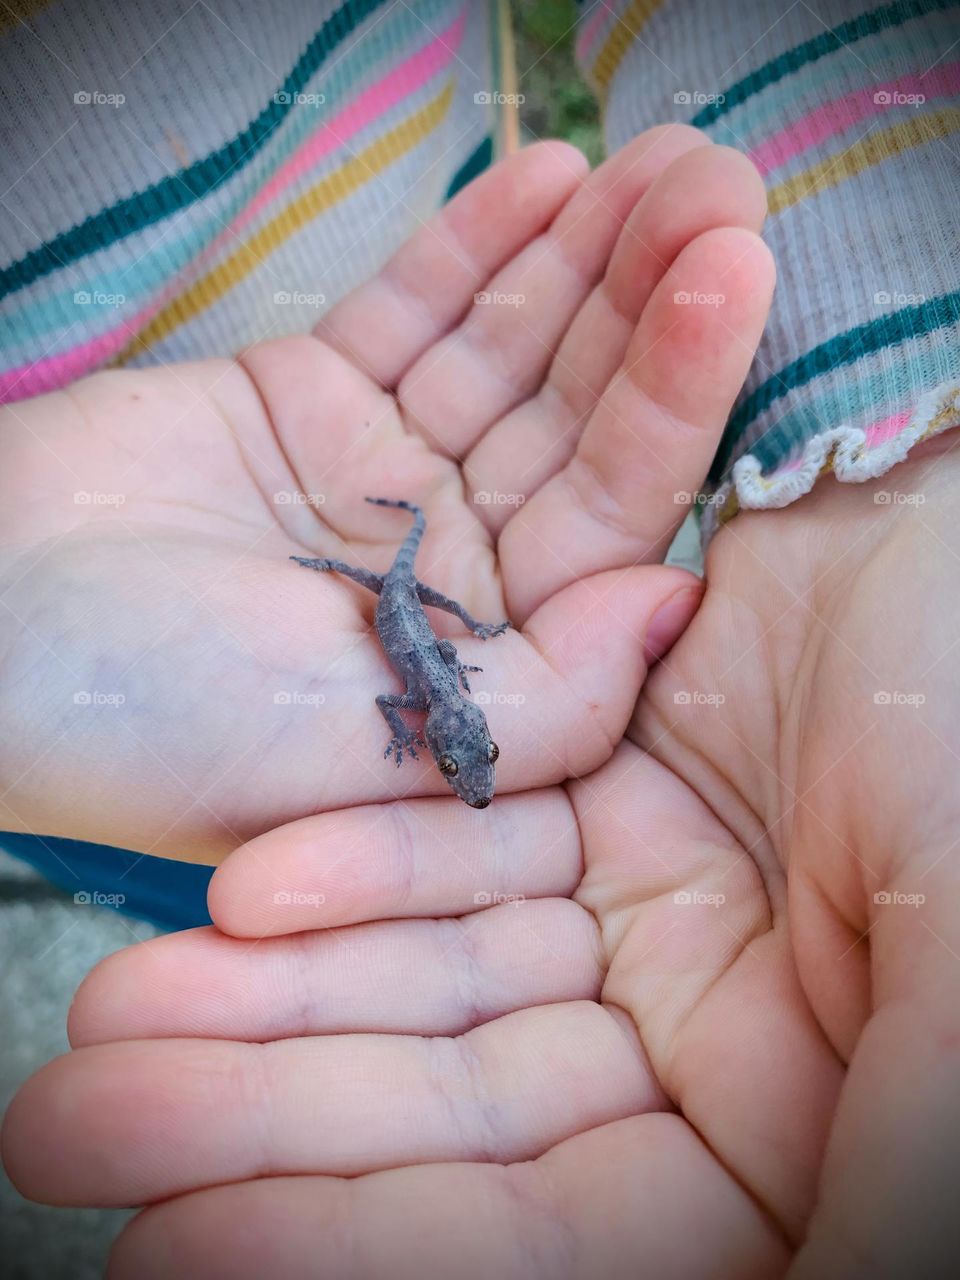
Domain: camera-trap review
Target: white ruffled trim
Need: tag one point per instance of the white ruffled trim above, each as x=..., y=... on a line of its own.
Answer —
x=842, y=449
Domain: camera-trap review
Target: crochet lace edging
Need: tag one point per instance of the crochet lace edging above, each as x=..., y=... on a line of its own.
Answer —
x=841, y=450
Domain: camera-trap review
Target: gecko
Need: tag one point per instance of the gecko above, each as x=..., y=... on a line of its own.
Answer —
x=456, y=729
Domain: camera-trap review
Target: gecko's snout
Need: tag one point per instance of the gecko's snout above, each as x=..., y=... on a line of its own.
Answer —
x=481, y=803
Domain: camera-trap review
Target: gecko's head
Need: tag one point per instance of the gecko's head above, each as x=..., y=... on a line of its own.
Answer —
x=460, y=742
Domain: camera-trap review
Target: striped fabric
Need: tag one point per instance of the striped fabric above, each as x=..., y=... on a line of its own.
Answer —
x=852, y=115
x=179, y=187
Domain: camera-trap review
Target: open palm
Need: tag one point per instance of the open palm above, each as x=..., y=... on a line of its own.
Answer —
x=759, y=966
x=520, y=368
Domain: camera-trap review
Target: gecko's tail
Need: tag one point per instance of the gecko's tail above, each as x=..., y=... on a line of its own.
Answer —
x=407, y=553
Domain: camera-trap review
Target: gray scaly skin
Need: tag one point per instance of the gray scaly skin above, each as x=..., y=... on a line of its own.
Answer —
x=456, y=730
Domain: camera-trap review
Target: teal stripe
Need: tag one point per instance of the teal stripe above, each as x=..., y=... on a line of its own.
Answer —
x=847, y=33
x=859, y=401
x=765, y=115
x=179, y=190
x=21, y=330
x=475, y=164
x=843, y=349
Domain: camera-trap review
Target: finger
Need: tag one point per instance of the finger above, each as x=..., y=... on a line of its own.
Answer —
x=703, y=187
x=888, y=1190
x=386, y=324
x=135, y=1121
x=502, y=349
x=708, y=976
x=464, y=972
x=650, y=441
x=426, y=857
x=595, y=1206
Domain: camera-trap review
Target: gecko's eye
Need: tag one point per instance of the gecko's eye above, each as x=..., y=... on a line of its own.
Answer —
x=493, y=752
x=447, y=766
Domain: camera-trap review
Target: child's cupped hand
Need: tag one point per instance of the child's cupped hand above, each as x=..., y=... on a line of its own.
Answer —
x=174, y=685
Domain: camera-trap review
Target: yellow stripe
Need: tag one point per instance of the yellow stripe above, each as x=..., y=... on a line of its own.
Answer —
x=336, y=186
x=508, y=122
x=626, y=30
x=863, y=155
x=13, y=12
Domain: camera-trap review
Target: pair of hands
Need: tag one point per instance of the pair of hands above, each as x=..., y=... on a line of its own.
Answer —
x=692, y=1038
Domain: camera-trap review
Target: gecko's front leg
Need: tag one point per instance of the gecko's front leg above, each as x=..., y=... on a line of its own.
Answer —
x=437, y=600
x=404, y=738
x=372, y=581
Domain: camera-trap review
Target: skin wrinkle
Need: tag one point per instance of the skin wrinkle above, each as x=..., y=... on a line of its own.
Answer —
x=549, y=1226
x=252, y=1079
x=592, y=710
x=580, y=471
x=402, y=845
x=484, y=1140
x=303, y=962
x=274, y=433
x=465, y=968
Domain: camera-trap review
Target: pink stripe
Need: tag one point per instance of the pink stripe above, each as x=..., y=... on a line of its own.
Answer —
x=883, y=431
x=877, y=434
x=590, y=29
x=57, y=371
x=843, y=113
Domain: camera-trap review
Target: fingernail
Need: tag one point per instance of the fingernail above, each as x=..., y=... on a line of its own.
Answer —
x=670, y=621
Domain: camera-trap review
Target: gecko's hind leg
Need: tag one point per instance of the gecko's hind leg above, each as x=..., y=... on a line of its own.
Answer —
x=372, y=581
x=404, y=738
x=448, y=652
x=436, y=599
